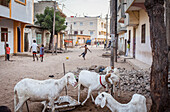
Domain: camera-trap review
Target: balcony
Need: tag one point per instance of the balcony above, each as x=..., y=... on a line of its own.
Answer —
x=121, y=13
x=133, y=5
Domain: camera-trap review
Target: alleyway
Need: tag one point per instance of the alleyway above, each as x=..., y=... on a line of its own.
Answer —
x=24, y=67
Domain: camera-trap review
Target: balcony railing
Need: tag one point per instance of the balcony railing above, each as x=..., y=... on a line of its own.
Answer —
x=5, y=3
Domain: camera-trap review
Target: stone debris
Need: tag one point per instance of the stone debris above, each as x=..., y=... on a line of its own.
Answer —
x=137, y=81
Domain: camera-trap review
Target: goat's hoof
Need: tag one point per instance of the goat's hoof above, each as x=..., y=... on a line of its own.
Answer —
x=82, y=104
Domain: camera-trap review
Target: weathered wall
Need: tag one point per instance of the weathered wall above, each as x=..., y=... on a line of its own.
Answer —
x=143, y=50
x=10, y=35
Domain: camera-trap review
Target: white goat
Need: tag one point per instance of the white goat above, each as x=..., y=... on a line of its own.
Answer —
x=92, y=81
x=37, y=91
x=110, y=69
x=137, y=103
x=115, y=77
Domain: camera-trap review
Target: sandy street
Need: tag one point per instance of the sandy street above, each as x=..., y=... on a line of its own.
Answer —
x=24, y=67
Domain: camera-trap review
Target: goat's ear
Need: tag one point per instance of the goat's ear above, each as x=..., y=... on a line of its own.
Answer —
x=103, y=103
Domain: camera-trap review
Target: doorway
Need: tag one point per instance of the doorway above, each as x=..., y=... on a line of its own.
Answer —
x=26, y=43
x=134, y=42
x=19, y=39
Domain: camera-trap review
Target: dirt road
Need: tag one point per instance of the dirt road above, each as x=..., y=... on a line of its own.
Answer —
x=24, y=67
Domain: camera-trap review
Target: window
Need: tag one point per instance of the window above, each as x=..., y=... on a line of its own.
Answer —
x=23, y=2
x=66, y=23
x=91, y=23
x=143, y=33
x=99, y=33
x=3, y=32
x=75, y=32
x=38, y=38
x=91, y=32
x=74, y=23
x=4, y=2
x=81, y=23
x=81, y=32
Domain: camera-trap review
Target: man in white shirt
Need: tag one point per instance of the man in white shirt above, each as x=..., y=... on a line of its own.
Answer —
x=34, y=50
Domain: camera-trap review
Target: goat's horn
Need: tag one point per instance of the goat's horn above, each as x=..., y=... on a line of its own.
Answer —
x=106, y=78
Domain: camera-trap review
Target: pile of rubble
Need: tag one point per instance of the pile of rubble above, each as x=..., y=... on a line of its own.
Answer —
x=137, y=81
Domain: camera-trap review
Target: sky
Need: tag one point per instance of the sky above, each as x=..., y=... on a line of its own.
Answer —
x=84, y=7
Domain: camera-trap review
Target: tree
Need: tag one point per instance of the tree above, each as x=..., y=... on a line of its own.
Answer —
x=159, y=69
x=46, y=21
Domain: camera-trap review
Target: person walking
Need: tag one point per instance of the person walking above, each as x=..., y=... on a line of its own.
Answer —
x=42, y=52
x=128, y=47
x=85, y=51
x=8, y=51
x=34, y=50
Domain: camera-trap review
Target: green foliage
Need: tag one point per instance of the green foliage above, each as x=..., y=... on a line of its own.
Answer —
x=46, y=20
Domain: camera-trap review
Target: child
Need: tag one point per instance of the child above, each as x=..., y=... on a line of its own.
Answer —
x=7, y=51
x=85, y=51
x=34, y=50
x=42, y=52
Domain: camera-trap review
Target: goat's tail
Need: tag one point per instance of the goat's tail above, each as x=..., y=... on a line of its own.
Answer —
x=15, y=100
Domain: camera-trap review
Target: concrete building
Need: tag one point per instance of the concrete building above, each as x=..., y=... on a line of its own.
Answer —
x=42, y=36
x=33, y=32
x=133, y=18
x=93, y=26
x=14, y=15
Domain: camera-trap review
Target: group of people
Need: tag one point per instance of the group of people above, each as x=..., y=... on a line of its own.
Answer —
x=34, y=51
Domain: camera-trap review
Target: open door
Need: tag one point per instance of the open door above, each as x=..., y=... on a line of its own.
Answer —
x=19, y=39
x=134, y=42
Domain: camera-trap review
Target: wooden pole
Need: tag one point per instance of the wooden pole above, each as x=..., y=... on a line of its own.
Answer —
x=53, y=28
x=64, y=74
x=112, y=13
x=116, y=36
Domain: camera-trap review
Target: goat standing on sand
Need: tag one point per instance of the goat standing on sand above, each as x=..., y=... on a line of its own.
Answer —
x=92, y=81
x=137, y=103
x=38, y=91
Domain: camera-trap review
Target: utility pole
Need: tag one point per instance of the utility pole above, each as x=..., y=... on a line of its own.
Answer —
x=53, y=28
x=116, y=36
x=106, y=30
x=112, y=31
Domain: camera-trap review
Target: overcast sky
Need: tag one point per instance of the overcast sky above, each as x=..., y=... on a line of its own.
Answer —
x=86, y=7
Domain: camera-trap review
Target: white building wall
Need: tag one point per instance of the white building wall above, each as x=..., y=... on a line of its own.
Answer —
x=4, y=11
x=143, y=50
x=121, y=42
x=86, y=27
x=3, y=24
x=23, y=13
